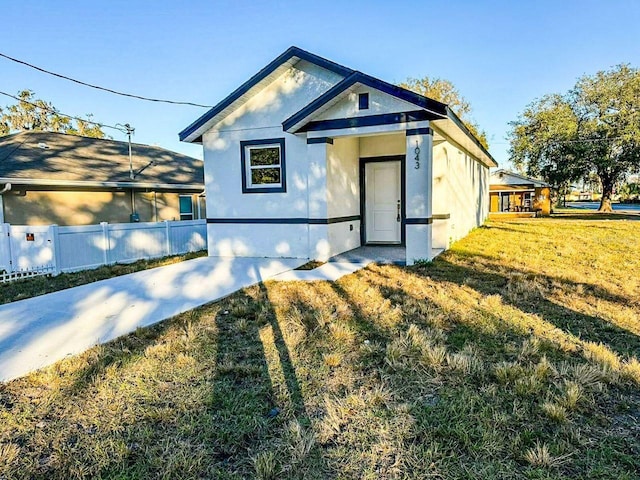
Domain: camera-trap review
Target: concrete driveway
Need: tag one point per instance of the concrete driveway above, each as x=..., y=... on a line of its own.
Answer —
x=42, y=330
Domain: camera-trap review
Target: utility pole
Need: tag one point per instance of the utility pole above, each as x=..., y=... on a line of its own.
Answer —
x=129, y=132
x=128, y=129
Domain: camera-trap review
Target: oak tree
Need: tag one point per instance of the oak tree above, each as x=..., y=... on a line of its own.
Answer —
x=444, y=91
x=592, y=129
x=32, y=114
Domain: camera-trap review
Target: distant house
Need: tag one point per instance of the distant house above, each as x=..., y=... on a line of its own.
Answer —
x=512, y=193
x=55, y=178
x=309, y=158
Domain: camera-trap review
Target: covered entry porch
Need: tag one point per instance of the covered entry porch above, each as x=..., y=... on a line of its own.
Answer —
x=374, y=184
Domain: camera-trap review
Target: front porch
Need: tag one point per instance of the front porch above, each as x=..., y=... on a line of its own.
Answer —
x=383, y=254
x=349, y=262
x=378, y=185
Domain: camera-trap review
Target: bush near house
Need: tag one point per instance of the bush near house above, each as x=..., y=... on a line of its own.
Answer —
x=513, y=355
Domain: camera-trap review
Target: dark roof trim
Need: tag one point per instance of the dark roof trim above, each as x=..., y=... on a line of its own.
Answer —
x=258, y=77
x=460, y=124
x=419, y=131
x=312, y=141
x=437, y=108
x=285, y=221
x=369, y=121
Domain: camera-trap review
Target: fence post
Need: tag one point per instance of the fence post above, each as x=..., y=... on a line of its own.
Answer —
x=55, y=235
x=167, y=231
x=105, y=242
x=5, y=247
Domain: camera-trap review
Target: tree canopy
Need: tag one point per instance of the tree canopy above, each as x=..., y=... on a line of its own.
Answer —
x=594, y=128
x=32, y=114
x=444, y=91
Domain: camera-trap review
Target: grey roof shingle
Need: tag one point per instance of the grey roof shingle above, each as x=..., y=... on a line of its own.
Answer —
x=62, y=157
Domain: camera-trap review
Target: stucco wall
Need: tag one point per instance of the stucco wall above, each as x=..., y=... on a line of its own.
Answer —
x=461, y=189
x=86, y=208
x=343, y=187
x=343, y=193
x=379, y=103
x=225, y=199
x=382, y=145
x=67, y=208
x=322, y=180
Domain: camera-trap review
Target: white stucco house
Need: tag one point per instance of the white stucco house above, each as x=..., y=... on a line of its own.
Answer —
x=309, y=159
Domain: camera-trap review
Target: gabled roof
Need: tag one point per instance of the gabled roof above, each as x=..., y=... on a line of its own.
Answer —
x=430, y=109
x=290, y=57
x=502, y=173
x=48, y=158
x=296, y=122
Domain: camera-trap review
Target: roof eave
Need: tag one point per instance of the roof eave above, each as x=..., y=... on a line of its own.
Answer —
x=96, y=184
x=460, y=124
x=523, y=177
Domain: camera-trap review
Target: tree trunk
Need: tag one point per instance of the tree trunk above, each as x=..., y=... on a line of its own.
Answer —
x=607, y=192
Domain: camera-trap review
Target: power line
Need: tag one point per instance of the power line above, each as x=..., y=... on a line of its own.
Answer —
x=97, y=87
x=53, y=110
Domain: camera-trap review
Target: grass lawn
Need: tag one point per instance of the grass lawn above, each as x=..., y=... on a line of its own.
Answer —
x=513, y=355
x=32, y=287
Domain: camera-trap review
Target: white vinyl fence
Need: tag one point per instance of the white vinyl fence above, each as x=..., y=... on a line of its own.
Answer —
x=29, y=250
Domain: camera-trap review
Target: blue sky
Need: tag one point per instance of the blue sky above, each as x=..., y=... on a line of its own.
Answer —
x=500, y=54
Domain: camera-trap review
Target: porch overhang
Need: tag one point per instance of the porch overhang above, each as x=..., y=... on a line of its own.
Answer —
x=428, y=111
x=426, y=108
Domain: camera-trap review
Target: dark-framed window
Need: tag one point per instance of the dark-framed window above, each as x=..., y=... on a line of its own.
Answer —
x=363, y=101
x=263, y=166
x=186, y=207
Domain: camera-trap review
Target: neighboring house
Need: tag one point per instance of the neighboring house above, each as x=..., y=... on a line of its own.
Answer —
x=309, y=159
x=55, y=178
x=512, y=193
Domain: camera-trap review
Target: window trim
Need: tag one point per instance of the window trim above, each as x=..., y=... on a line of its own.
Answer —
x=192, y=213
x=246, y=188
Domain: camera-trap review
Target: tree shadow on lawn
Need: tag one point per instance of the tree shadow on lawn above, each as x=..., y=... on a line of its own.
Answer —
x=197, y=396
x=594, y=216
x=256, y=397
x=473, y=416
x=494, y=277
x=585, y=327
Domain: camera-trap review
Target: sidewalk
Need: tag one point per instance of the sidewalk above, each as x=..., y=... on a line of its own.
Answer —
x=39, y=331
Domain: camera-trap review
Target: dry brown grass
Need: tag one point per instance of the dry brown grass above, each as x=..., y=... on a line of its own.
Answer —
x=513, y=355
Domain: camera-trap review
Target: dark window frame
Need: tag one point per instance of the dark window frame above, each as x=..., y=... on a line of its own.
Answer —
x=363, y=101
x=246, y=188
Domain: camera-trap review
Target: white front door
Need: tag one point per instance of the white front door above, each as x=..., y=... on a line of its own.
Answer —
x=382, y=202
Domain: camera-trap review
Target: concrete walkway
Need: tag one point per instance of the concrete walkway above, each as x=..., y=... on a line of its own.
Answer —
x=42, y=330
x=350, y=262
x=330, y=271
x=347, y=263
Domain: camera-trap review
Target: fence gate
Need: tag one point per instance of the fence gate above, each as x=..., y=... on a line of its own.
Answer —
x=32, y=247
